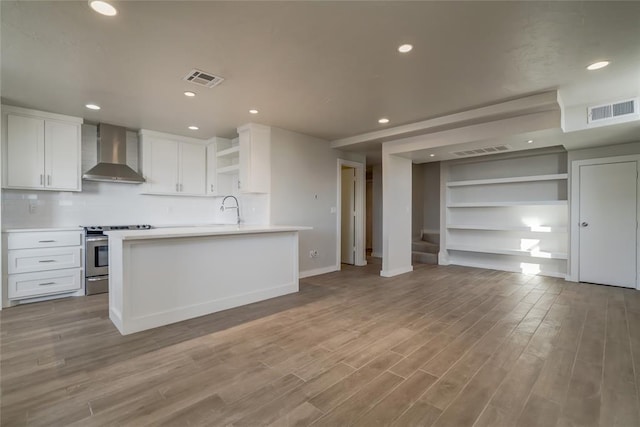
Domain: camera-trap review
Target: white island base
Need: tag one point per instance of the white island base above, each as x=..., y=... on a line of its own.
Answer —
x=163, y=276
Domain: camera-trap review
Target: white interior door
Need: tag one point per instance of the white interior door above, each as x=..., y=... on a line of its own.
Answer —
x=608, y=203
x=348, y=216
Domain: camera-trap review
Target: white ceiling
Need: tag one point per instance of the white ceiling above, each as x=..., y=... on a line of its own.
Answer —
x=327, y=69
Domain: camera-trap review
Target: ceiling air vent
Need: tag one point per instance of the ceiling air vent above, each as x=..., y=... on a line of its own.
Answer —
x=201, y=78
x=606, y=112
x=479, y=151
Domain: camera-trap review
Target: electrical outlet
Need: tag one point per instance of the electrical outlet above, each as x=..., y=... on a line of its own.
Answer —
x=313, y=254
x=33, y=206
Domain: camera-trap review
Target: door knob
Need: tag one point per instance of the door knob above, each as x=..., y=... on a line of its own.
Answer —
x=584, y=224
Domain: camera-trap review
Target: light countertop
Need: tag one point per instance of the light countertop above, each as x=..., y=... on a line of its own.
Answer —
x=29, y=230
x=197, y=231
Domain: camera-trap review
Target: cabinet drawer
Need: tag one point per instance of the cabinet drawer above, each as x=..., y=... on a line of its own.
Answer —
x=28, y=260
x=29, y=285
x=40, y=239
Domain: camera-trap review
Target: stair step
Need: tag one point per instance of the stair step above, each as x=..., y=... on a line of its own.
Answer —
x=431, y=237
x=422, y=246
x=424, y=258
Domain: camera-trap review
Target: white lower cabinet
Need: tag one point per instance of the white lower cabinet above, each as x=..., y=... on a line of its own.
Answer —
x=43, y=263
x=28, y=260
x=30, y=285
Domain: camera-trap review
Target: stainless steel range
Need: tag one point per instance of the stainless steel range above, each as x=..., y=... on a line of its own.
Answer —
x=97, y=256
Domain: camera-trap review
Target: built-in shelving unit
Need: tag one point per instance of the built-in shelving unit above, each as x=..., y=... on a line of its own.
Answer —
x=534, y=178
x=509, y=203
x=506, y=251
x=225, y=170
x=530, y=229
x=507, y=212
x=229, y=170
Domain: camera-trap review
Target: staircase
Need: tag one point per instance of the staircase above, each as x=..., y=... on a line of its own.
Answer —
x=425, y=250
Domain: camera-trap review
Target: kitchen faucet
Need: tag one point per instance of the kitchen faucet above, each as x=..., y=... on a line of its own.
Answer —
x=236, y=207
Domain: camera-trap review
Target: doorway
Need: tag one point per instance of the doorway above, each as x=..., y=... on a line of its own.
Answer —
x=351, y=211
x=348, y=216
x=604, y=221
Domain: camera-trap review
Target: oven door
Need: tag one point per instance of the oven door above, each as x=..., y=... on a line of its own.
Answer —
x=97, y=257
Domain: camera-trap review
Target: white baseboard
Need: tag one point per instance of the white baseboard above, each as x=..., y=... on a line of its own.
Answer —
x=318, y=271
x=396, y=271
x=376, y=254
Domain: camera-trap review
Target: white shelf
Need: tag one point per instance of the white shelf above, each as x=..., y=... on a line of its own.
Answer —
x=515, y=252
x=228, y=152
x=229, y=170
x=513, y=203
x=536, y=229
x=552, y=177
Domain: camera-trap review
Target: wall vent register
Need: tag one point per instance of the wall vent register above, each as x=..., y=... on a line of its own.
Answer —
x=613, y=110
x=485, y=150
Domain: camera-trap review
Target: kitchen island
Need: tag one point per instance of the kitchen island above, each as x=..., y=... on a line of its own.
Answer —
x=166, y=275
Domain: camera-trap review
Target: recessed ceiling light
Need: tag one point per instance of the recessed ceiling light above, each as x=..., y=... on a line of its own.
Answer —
x=432, y=155
x=190, y=94
x=383, y=121
x=404, y=48
x=103, y=8
x=92, y=106
x=597, y=65
x=530, y=141
x=194, y=127
x=253, y=111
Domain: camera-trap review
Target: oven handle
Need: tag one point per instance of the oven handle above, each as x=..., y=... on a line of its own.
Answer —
x=97, y=279
x=97, y=239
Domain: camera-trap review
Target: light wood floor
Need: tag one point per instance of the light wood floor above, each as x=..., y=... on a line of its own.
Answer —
x=442, y=346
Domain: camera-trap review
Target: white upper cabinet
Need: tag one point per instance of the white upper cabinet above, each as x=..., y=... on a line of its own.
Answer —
x=61, y=155
x=41, y=150
x=192, y=168
x=173, y=165
x=212, y=185
x=255, y=158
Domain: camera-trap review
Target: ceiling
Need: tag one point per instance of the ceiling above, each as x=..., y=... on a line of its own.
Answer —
x=326, y=69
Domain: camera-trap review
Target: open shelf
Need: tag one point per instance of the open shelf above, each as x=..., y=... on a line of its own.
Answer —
x=228, y=152
x=512, y=203
x=504, y=251
x=534, y=178
x=229, y=170
x=536, y=229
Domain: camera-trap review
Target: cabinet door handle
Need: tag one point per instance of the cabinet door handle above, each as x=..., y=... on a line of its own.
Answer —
x=177, y=187
x=46, y=241
x=41, y=179
x=47, y=260
x=48, y=179
x=181, y=188
x=212, y=188
x=238, y=185
x=46, y=283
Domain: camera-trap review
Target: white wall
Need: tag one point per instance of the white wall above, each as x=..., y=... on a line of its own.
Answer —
x=426, y=199
x=303, y=192
x=396, y=215
x=431, y=197
x=417, y=200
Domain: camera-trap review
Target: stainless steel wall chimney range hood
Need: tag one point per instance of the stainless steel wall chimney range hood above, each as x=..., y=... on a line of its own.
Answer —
x=112, y=157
